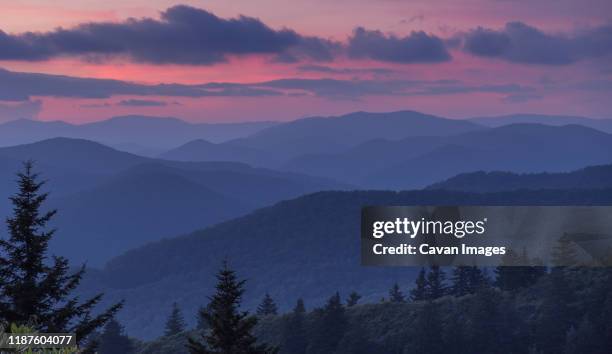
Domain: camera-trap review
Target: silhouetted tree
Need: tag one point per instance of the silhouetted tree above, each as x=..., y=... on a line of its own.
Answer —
x=329, y=328
x=555, y=318
x=436, y=286
x=113, y=340
x=460, y=281
x=36, y=290
x=230, y=329
x=201, y=318
x=353, y=299
x=395, y=294
x=419, y=292
x=294, y=339
x=267, y=307
x=477, y=279
x=175, y=323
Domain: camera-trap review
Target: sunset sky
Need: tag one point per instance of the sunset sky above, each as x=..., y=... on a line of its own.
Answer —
x=245, y=60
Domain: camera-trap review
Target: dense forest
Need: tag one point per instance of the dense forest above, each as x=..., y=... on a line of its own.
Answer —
x=460, y=310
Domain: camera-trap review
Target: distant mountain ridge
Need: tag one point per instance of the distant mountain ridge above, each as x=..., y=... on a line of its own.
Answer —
x=139, y=134
x=276, y=145
x=604, y=125
x=110, y=200
x=417, y=161
x=593, y=177
x=315, y=236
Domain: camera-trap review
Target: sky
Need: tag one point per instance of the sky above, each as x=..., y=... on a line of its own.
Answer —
x=243, y=60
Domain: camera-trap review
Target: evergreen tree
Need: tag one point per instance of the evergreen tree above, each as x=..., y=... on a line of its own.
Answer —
x=395, y=294
x=436, y=286
x=419, y=292
x=36, y=290
x=477, y=279
x=330, y=326
x=294, y=338
x=175, y=323
x=353, y=299
x=485, y=319
x=460, y=281
x=230, y=329
x=555, y=318
x=267, y=307
x=201, y=318
x=113, y=340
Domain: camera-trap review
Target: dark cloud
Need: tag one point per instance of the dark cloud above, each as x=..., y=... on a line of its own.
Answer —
x=183, y=35
x=142, y=103
x=521, y=43
x=21, y=110
x=22, y=86
x=418, y=47
x=355, y=89
x=17, y=86
x=521, y=97
x=341, y=71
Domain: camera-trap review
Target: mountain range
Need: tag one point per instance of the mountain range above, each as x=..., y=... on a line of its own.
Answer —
x=276, y=145
x=604, y=125
x=143, y=135
x=417, y=161
x=302, y=248
x=593, y=177
x=110, y=200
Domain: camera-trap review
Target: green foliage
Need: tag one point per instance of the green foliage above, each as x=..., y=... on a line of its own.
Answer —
x=36, y=290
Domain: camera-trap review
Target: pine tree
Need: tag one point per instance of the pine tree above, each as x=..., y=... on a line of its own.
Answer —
x=556, y=317
x=175, y=323
x=460, y=281
x=436, y=286
x=395, y=294
x=201, y=318
x=485, y=316
x=36, y=290
x=330, y=326
x=419, y=292
x=267, y=307
x=230, y=329
x=294, y=338
x=353, y=299
x=113, y=340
